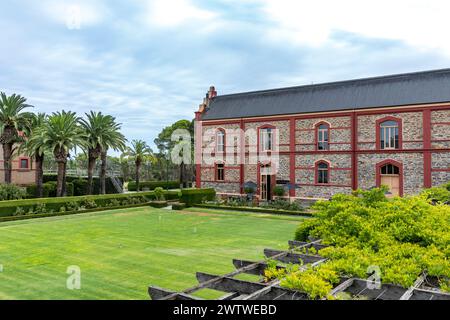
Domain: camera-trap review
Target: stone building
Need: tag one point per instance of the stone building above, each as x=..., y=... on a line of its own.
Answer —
x=322, y=139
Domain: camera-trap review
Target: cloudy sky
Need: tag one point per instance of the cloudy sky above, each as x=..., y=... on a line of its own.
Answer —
x=150, y=62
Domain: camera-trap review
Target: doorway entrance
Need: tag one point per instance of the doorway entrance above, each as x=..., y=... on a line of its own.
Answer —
x=266, y=187
x=390, y=177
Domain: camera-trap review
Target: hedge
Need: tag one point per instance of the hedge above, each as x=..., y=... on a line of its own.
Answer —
x=194, y=196
x=58, y=214
x=9, y=208
x=49, y=189
x=152, y=185
x=255, y=209
x=80, y=184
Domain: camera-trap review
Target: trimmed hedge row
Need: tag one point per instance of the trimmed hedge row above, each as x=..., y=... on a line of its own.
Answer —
x=195, y=196
x=67, y=213
x=9, y=208
x=80, y=184
x=254, y=209
x=152, y=185
x=49, y=190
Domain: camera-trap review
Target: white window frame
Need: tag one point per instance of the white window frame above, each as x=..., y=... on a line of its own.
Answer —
x=388, y=132
x=220, y=141
x=321, y=133
x=266, y=139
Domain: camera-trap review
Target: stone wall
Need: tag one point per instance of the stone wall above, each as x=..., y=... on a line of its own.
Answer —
x=412, y=170
x=412, y=128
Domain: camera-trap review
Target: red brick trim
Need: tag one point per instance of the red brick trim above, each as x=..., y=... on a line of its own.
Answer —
x=292, y=156
x=400, y=169
x=400, y=131
x=427, y=179
x=354, y=147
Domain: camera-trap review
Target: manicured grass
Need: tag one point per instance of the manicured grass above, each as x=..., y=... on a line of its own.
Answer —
x=121, y=252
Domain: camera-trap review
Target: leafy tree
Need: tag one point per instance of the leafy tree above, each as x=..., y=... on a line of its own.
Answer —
x=34, y=146
x=139, y=152
x=12, y=121
x=61, y=134
x=165, y=144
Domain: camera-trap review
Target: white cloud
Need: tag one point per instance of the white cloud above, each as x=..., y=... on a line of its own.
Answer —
x=82, y=12
x=423, y=24
x=173, y=13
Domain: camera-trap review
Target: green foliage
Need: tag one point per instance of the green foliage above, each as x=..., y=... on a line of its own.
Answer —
x=196, y=196
x=159, y=194
x=11, y=192
x=249, y=190
x=279, y=191
x=80, y=185
x=152, y=185
x=402, y=236
x=178, y=206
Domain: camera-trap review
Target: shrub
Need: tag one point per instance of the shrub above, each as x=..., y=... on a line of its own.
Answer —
x=402, y=236
x=279, y=191
x=80, y=187
x=159, y=193
x=249, y=190
x=152, y=185
x=195, y=196
x=158, y=204
x=89, y=204
x=40, y=208
x=178, y=206
x=11, y=192
x=19, y=211
x=70, y=189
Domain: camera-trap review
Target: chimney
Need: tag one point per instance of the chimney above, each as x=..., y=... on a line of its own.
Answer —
x=210, y=95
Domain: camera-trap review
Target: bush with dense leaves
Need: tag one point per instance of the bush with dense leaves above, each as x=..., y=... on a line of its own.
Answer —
x=11, y=192
x=152, y=185
x=402, y=236
x=196, y=196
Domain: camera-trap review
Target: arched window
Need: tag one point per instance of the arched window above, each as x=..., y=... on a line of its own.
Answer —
x=220, y=172
x=266, y=136
x=323, y=173
x=323, y=136
x=220, y=140
x=389, y=134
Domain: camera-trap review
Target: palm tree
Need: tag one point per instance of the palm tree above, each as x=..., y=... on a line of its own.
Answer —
x=60, y=134
x=34, y=146
x=99, y=130
x=139, y=152
x=12, y=120
x=115, y=140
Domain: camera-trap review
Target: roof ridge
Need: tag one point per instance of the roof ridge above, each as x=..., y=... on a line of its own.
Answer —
x=335, y=83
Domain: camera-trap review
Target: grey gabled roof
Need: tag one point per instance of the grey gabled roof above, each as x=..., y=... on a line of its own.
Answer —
x=394, y=90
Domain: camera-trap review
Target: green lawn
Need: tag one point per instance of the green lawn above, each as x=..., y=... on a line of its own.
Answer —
x=121, y=252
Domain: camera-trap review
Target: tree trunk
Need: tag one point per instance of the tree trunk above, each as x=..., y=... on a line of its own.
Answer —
x=64, y=185
x=91, y=166
x=60, y=179
x=7, y=153
x=103, y=172
x=182, y=174
x=138, y=169
x=39, y=175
